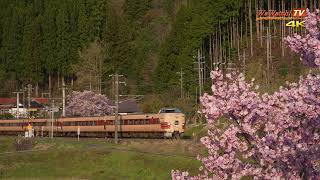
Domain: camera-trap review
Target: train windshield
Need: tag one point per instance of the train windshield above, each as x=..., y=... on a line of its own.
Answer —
x=176, y=110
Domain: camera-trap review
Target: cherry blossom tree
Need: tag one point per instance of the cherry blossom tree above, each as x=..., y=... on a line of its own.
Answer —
x=264, y=136
x=87, y=103
x=308, y=46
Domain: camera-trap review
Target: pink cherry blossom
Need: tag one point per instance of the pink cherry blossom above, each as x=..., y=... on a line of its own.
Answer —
x=270, y=136
x=87, y=103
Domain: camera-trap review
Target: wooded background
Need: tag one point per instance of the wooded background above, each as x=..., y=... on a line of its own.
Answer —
x=80, y=42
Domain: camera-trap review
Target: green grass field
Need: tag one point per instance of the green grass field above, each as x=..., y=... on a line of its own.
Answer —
x=66, y=158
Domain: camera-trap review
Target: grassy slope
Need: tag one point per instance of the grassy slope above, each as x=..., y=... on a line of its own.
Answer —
x=97, y=159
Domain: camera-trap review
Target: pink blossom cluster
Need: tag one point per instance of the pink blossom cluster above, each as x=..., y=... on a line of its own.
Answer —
x=269, y=136
x=87, y=103
x=309, y=46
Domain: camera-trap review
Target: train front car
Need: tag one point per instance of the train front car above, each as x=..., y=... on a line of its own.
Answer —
x=172, y=121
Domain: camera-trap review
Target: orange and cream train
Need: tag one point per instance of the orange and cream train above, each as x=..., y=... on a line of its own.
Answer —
x=167, y=123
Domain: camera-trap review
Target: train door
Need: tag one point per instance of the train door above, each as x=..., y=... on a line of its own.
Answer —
x=176, y=125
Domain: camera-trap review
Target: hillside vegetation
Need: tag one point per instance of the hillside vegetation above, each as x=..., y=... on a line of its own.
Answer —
x=48, y=43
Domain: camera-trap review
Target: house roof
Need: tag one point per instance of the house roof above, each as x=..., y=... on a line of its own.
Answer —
x=5, y=101
x=127, y=106
x=11, y=102
x=41, y=100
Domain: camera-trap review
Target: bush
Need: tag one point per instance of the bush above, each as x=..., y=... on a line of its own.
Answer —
x=6, y=116
x=22, y=143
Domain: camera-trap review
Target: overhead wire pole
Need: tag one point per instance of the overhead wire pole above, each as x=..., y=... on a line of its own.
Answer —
x=52, y=110
x=200, y=70
x=17, y=111
x=52, y=117
x=63, y=88
x=29, y=89
x=200, y=76
x=116, y=120
x=181, y=83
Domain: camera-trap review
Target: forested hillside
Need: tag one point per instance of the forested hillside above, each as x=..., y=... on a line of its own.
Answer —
x=80, y=42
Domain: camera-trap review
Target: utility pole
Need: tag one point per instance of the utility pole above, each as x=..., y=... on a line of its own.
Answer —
x=52, y=110
x=200, y=74
x=200, y=71
x=52, y=114
x=116, y=120
x=63, y=88
x=29, y=89
x=181, y=83
x=17, y=112
x=23, y=96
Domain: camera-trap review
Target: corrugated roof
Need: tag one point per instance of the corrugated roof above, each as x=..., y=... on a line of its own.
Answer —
x=127, y=106
x=6, y=101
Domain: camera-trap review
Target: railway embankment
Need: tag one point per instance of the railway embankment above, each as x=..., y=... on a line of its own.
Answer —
x=92, y=158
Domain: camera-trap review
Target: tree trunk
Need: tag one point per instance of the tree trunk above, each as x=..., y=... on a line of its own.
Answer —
x=250, y=22
x=210, y=51
x=58, y=80
x=50, y=83
x=238, y=41
x=37, y=90
x=257, y=22
x=63, y=97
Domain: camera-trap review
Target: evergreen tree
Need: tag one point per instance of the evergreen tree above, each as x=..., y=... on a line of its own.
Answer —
x=30, y=52
x=63, y=40
x=49, y=37
x=82, y=24
x=97, y=19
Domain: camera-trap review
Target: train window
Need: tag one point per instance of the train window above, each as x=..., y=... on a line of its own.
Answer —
x=147, y=121
x=176, y=123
